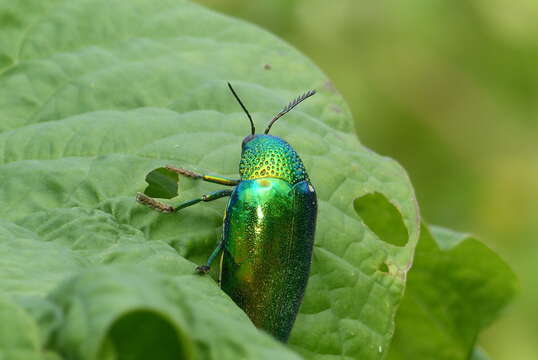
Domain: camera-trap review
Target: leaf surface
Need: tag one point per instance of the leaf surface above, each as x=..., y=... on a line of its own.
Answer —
x=94, y=95
x=457, y=286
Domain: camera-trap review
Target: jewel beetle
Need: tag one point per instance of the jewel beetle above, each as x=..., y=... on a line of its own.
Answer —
x=269, y=226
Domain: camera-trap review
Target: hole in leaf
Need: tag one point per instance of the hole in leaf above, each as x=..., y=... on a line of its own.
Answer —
x=383, y=268
x=382, y=218
x=144, y=335
x=162, y=183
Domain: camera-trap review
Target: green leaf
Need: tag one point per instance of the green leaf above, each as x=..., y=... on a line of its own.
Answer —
x=162, y=183
x=139, y=314
x=479, y=354
x=133, y=299
x=457, y=286
x=20, y=335
x=96, y=94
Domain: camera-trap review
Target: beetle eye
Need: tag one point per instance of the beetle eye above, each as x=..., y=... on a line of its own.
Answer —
x=247, y=139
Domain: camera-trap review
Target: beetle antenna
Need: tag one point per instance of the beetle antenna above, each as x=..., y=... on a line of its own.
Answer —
x=288, y=107
x=244, y=108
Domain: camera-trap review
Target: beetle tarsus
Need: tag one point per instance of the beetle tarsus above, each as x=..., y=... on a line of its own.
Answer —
x=154, y=204
x=203, y=269
x=184, y=172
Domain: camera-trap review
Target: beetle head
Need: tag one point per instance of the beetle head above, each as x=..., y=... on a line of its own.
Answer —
x=268, y=156
x=247, y=139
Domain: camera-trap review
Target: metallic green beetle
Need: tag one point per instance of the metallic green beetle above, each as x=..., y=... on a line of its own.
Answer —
x=269, y=227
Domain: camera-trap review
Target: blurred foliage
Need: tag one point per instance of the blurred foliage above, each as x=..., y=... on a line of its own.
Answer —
x=448, y=88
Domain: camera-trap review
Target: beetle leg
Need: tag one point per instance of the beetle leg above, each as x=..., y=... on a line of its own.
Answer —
x=165, y=208
x=154, y=204
x=204, y=269
x=210, y=178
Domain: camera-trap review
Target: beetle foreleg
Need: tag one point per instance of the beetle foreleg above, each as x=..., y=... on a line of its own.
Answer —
x=209, y=197
x=210, y=178
x=165, y=208
x=204, y=269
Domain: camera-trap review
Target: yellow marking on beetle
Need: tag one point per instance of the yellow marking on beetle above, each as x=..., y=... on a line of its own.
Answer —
x=264, y=182
x=219, y=180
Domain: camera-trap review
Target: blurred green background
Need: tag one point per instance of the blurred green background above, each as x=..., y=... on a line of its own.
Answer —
x=449, y=88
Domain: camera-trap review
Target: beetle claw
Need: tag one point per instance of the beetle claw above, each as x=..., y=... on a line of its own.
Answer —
x=202, y=269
